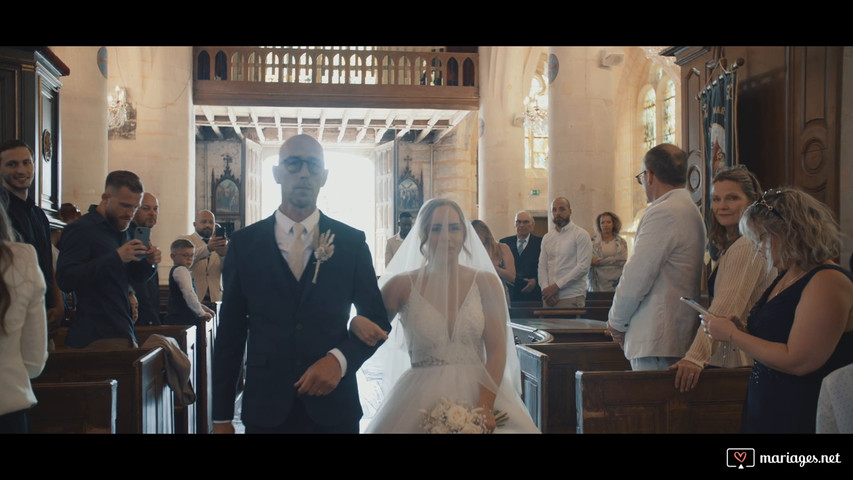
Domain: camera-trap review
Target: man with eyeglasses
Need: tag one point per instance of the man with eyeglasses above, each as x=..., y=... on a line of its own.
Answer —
x=647, y=319
x=525, y=248
x=291, y=280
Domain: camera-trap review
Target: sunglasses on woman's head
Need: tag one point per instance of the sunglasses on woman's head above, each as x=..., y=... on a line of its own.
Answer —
x=768, y=197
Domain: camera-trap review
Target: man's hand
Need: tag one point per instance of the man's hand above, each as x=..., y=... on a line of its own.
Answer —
x=321, y=378
x=223, y=427
x=153, y=255
x=217, y=244
x=549, y=294
x=618, y=337
x=129, y=251
x=531, y=284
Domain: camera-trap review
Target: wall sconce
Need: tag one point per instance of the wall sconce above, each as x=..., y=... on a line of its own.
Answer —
x=117, y=108
x=611, y=58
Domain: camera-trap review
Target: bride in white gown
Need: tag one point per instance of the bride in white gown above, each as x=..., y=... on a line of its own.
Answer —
x=450, y=335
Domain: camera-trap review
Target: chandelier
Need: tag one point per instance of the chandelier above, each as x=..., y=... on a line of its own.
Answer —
x=117, y=108
x=536, y=117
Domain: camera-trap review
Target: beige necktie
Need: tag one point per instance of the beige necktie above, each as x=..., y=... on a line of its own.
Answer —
x=297, y=248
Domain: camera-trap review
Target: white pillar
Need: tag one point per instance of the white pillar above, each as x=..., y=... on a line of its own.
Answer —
x=581, y=133
x=502, y=182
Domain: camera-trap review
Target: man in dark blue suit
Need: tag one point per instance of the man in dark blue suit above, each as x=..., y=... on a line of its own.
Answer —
x=526, y=287
x=289, y=282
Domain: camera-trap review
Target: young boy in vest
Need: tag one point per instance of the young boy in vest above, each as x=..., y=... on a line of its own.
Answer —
x=184, y=307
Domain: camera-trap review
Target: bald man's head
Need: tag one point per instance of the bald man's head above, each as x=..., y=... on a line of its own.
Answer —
x=204, y=223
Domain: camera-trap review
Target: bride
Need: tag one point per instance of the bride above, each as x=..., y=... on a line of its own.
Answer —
x=450, y=337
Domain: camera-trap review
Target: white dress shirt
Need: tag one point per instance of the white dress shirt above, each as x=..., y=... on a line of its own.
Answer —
x=284, y=238
x=564, y=260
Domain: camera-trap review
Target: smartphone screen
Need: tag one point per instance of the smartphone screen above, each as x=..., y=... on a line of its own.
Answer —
x=696, y=306
x=142, y=234
x=220, y=230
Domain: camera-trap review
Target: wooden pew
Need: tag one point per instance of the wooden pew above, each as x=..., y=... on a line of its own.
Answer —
x=568, y=330
x=205, y=338
x=548, y=378
x=524, y=334
x=592, y=313
x=186, y=420
x=599, y=299
x=74, y=407
x=205, y=335
x=144, y=401
x=647, y=402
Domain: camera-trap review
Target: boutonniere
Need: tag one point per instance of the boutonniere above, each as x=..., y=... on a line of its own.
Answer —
x=323, y=251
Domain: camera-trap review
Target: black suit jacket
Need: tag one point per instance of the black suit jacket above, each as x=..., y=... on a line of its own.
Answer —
x=526, y=266
x=291, y=324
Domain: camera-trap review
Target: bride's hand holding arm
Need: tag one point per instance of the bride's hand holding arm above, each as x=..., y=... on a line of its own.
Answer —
x=367, y=331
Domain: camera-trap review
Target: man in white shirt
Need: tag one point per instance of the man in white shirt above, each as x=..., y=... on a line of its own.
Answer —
x=564, y=259
x=647, y=318
x=393, y=244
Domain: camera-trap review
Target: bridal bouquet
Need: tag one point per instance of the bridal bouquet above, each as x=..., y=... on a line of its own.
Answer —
x=449, y=416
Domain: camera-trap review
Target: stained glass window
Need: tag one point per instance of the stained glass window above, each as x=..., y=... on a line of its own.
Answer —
x=649, y=120
x=669, y=113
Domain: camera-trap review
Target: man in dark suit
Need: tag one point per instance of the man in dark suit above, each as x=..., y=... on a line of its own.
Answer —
x=301, y=362
x=526, y=287
x=147, y=292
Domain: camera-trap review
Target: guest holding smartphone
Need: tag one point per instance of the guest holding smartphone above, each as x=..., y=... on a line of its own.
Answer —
x=801, y=328
x=739, y=279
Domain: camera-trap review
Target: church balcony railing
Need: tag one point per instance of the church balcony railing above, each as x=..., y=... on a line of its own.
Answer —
x=336, y=77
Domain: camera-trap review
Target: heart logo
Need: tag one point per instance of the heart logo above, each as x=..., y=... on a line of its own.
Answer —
x=740, y=456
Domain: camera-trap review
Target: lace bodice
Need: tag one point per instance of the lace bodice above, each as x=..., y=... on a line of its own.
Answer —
x=430, y=338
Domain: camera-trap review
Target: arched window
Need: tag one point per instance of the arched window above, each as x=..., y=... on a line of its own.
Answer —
x=203, y=71
x=649, y=119
x=536, y=123
x=669, y=112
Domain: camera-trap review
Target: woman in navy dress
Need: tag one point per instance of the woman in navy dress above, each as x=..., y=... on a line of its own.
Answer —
x=801, y=328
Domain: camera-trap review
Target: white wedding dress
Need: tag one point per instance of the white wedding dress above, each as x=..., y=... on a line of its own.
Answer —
x=447, y=361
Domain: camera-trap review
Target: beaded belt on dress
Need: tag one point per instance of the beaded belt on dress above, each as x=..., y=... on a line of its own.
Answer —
x=430, y=362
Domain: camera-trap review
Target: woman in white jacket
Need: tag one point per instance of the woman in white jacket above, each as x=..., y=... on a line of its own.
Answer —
x=23, y=328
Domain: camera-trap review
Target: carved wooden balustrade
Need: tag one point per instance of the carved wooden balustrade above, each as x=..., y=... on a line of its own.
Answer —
x=324, y=77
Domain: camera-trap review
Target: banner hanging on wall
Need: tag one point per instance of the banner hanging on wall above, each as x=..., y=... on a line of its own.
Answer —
x=718, y=120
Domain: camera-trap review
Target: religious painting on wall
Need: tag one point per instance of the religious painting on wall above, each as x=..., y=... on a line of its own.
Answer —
x=409, y=192
x=226, y=196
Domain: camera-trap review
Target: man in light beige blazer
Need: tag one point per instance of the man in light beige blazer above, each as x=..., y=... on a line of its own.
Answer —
x=210, y=250
x=647, y=318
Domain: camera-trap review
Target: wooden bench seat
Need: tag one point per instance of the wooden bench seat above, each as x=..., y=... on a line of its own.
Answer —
x=74, y=407
x=144, y=401
x=648, y=402
x=548, y=378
